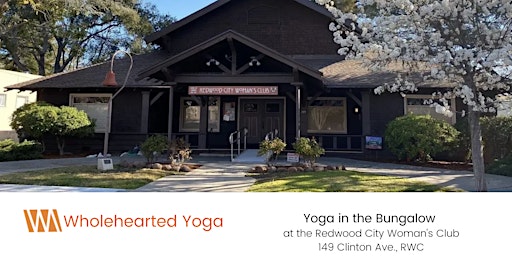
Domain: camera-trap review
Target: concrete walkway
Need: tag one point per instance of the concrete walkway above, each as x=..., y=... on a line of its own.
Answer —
x=218, y=174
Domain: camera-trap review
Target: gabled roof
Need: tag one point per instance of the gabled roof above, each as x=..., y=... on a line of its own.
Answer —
x=215, y=5
x=230, y=34
x=92, y=76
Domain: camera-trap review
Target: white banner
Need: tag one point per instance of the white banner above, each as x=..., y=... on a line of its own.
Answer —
x=426, y=224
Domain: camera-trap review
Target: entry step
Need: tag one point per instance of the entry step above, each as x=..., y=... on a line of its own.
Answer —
x=250, y=156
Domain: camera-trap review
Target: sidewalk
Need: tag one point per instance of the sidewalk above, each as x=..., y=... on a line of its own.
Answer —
x=218, y=174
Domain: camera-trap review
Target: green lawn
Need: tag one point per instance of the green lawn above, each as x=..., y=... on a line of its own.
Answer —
x=338, y=181
x=87, y=176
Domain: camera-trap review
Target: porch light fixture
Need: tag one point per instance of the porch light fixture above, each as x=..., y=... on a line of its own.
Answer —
x=212, y=61
x=254, y=62
x=110, y=80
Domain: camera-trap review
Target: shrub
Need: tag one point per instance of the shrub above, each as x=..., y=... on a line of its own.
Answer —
x=179, y=151
x=271, y=149
x=12, y=151
x=308, y=149
x=496, y=137
x=501, y=167
x=153, y=146
x=419, y=137
x=38, y=119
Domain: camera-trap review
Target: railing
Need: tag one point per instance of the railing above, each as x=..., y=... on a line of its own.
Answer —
x=272, y=134
x=240, y=135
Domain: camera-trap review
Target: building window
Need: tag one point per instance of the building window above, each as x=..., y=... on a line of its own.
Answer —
x=96, y=107
x=3, y=100
x=272, y=107
x=327, y=115
x=214, y=114
x=190, y=114
x=416, y=104
x=21, y=100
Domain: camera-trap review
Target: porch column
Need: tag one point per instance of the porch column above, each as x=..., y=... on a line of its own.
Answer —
x=297, y=109
x=367, y=130
x=203, y=123
x=145, y=113
x=170, y=115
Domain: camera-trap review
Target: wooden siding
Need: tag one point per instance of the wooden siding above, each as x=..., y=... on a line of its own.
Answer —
x=292, y=29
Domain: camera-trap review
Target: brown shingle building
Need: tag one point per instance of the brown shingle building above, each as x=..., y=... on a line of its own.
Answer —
x=235, y=64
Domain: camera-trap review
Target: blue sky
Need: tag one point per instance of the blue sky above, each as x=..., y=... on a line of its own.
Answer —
x=180, y=8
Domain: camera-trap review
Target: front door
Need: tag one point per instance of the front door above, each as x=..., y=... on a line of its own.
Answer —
x=261, y=116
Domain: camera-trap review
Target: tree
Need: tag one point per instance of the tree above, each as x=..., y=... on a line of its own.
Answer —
x=38, y=119
x=462, y=43
x=49, y=36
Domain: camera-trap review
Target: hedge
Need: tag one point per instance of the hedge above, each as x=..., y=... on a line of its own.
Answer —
x=13, y=151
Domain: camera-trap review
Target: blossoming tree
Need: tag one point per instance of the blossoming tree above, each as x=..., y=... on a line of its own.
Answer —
x=465, y=44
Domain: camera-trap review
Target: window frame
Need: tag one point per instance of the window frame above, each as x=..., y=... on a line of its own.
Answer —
x=345, y=116
x=21, y=96
x=182, y=114
x=97, y=129
x=4, y=103
x=452, y=101
x=217, y=120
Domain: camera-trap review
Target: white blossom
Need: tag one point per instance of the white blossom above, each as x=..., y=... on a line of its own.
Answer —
x=467, y=44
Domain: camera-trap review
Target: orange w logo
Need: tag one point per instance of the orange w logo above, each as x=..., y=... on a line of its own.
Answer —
x=42, y=221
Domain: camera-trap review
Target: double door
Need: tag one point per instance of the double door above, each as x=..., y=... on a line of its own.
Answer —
x=261, y=116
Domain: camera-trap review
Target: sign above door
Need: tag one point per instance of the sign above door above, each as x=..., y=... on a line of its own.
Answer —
x=232, y=90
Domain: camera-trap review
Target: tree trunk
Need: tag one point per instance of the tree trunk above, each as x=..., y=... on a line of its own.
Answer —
x=477, y=154
x=61, y=142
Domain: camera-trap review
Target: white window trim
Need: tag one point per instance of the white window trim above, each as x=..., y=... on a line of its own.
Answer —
x=24, y=97
x=109, y=114
x=345, y=116
x=453, y=119
x=5, y=100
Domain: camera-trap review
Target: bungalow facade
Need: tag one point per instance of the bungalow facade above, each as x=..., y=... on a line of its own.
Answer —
x=259, y=65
